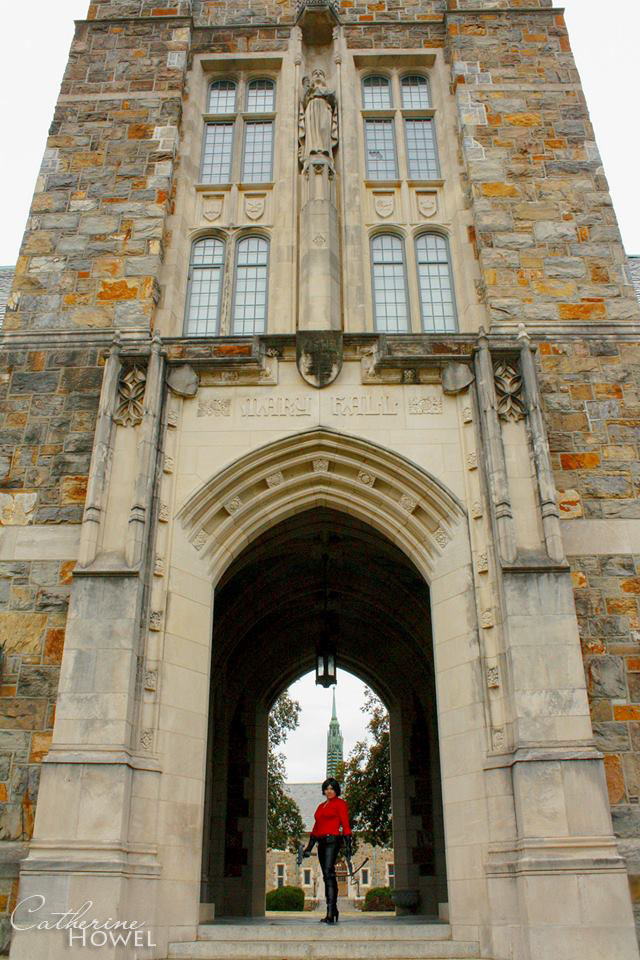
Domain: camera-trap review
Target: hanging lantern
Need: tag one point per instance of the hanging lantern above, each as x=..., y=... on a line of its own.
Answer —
x=326, y=664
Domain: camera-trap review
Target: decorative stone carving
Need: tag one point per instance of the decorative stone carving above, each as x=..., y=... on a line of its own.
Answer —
x=214, y=407
x=155, y=620
x=163, y=512
x=497, y=738
x=467, y=415
x=486, y=619
x=456, y=377
x=232, y=505
x=493, y=678
x=424, y=405
x=408, y=503
x=472, y=461
x=158, y=567
x=150, y=679
x=200, y=539
x=168, y=465
x=172, y=418
x=275, y=479
x=183, y=381
x=319, y=356
x=427, y=204
x=508, y=381
x=212, y=206
x=321, y=466
x=441, y=537
x=476, y=509
x=367, y=479
x=384, y=204
x=409, y=376
x=254, y=205
x=146, y=739
x=482, y=563
x=130, y=398
x=317, y=119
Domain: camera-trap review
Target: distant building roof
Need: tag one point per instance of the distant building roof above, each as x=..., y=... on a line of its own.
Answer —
x=6, y=279
x=307, y=796
x=634, y=270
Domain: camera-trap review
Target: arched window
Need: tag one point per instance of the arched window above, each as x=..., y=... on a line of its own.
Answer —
x=376, y=93
x=389, y=281
x=415, y=93
x=250, y=286
x=222, y=96
x=437, y=299
x=261, y=96
x=205, y=287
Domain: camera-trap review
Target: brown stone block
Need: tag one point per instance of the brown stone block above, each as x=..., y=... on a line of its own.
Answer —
x=22, y=632
x=579, y=461
x=4, y=798
x=599, y=274
x=86, y=159
x=615, y=778
x=603, y=390
x=523, y=119
x=633, y=664
x=40, y=745
x=73, y=489
x=621, y=605
x=626, y=711
x=22, y=713
x=66, y=569
x=582, y=311
x=37, y=243
x=581, y=391
x=8, y=690
x=578, y=579
x=632, y=585
x=140, y=131
x=117, y=290
x=54, y=645
x=600, y=710
x=555, y=288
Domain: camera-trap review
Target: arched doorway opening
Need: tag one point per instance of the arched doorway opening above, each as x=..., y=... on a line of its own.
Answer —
x=268, y=615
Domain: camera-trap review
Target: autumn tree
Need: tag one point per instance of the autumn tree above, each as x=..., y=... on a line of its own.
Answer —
x=284, y=820
x=366, y=777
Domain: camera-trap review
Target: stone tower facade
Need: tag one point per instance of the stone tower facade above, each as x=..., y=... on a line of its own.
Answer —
x=322, y=319
x=335, y=742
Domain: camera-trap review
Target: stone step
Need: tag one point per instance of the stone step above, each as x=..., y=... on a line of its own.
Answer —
x=311, y=941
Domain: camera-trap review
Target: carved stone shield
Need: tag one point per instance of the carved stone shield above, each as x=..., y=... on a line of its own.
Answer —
x=384, y=204
x=212, y=207
x=427, y=204
x=319, y=356
x=254, y=207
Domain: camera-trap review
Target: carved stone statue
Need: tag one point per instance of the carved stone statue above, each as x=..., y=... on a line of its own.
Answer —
x=318, y=119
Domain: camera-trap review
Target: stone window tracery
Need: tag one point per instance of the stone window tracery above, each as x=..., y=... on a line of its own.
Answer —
x=204, y=296
x=389, y=282
x=250, y=288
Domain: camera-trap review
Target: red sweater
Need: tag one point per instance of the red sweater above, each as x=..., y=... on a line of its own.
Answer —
x=329, y=815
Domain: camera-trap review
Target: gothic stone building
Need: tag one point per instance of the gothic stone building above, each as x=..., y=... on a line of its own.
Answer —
x=321, y=342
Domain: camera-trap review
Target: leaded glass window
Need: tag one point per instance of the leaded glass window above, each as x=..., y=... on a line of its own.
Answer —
x=205, y=287
x=422, y=157
x=261, y=96
x=217, y=153
x=258, y=151
x=222, y=97
x=381, y=149
x=376, y=93
x=437, y=300
x=390, y=298
x=250, y=286
x=415, y=93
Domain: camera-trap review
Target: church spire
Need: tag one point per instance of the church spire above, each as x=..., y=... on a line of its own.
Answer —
x=334, y=741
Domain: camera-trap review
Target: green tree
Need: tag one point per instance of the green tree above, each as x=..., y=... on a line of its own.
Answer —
x=366, y=777
x=284, y=820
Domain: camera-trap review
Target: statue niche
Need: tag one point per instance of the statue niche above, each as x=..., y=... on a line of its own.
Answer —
x=317, y=121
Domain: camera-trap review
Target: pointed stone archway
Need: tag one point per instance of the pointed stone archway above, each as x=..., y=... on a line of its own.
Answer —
x=325, y=478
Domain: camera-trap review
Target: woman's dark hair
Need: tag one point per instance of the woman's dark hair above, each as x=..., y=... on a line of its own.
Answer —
x=332, y=782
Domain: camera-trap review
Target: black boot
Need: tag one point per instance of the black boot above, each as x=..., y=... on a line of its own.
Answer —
x=327, y=917
x=332, y=903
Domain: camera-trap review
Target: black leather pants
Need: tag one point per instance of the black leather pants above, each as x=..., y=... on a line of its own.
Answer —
x=328, y=850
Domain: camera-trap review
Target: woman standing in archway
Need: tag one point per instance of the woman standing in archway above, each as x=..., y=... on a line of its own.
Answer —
x=330, y=816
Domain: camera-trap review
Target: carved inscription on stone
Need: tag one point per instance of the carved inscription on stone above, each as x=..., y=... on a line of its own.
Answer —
x=425, y=405
x=364, y=405
x=214, y=406
x=276, y=407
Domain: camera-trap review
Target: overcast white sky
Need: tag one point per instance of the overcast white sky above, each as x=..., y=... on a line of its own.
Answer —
x=33, y=53
x=35, y=43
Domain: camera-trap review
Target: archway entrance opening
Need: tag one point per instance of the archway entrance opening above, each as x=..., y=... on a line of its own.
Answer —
x=269, y=616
